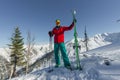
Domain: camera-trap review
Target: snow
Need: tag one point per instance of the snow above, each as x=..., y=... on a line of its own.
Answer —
x=40, y=51
x=93, y=70
x=102, y=48
x=4, y=52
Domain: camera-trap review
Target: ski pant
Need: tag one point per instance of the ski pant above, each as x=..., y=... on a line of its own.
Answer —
x=61, y=47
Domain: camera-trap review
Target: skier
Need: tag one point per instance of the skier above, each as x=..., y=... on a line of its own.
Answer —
x=58, y=33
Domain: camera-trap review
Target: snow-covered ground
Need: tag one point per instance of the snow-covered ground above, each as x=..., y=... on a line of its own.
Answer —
x=94, y=68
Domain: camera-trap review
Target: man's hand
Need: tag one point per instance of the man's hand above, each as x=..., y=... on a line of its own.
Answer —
x=50, y=33
x=74, y=20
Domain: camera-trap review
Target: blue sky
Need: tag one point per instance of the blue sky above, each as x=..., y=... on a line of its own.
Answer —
x=38, y=17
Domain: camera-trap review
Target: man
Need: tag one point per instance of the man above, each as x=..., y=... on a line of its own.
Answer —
x=58, y=33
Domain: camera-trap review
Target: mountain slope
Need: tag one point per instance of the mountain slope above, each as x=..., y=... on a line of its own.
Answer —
x=93, y=69
x=93, y=62
x=94, y=42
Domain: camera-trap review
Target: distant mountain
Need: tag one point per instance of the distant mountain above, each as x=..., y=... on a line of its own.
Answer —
x=96, y=41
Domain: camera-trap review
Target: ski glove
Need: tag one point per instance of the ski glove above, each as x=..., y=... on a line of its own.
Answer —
x=74, y=20
x=50, y=33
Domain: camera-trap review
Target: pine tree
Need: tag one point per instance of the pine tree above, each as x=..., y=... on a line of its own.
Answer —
x=17, y=50
x=86, y=39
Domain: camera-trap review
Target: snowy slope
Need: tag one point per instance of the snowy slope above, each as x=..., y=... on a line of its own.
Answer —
x=94, y=68
x=38, y=52
x=93, y=62
x=93, y=42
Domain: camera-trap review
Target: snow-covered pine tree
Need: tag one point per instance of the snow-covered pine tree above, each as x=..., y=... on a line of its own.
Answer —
x=17, y=51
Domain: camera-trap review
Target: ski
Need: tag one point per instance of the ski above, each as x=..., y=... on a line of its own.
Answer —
x=76, y=42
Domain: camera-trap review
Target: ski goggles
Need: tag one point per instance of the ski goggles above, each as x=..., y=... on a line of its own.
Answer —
x=57, y=22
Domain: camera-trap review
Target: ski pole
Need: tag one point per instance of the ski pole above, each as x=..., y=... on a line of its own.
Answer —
x=50, y=43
